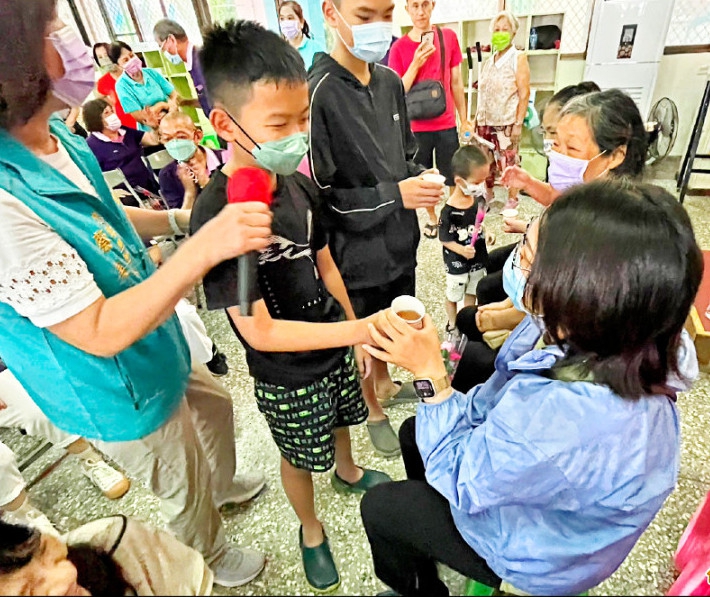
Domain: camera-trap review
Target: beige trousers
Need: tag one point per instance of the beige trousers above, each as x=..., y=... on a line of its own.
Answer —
x=188, y=463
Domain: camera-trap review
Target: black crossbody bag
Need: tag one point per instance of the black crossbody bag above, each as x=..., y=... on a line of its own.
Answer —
x=427, y=99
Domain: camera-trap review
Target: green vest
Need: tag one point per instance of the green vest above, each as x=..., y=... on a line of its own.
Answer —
x=120, y=398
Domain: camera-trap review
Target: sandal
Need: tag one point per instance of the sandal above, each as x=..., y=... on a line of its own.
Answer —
x=431, y=230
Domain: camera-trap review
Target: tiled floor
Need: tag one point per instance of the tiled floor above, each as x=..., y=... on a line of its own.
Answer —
x=269, y=524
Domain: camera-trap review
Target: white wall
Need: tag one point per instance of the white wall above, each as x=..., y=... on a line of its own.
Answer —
x=681, y=78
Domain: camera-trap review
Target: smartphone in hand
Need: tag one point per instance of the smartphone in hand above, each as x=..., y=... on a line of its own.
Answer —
x=428, y=37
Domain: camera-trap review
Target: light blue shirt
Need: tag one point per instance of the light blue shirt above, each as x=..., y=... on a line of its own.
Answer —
x=137, y=96
x=552, y=482
x=308, y=49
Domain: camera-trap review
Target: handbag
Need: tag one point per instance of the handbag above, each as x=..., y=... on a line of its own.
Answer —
x=427, y=99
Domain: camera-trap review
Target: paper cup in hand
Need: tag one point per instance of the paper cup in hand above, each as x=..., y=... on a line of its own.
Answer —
x=409, y=309
x=435, y=178
x=509, y=213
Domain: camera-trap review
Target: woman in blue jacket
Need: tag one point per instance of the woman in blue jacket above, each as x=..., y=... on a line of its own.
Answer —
x=546, y=475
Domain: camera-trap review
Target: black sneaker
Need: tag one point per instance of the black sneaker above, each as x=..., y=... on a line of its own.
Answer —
x=218, y=365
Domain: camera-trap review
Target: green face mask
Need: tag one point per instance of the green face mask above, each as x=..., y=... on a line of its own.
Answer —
x=281, y=156
x=500, y=40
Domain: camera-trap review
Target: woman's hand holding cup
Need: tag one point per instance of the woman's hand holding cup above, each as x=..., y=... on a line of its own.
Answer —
x=413, y=346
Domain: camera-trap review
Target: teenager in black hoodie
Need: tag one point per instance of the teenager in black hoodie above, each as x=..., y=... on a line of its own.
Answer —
x=361, y=156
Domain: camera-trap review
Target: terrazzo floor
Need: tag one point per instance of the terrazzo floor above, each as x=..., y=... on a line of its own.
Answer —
x=269, y=524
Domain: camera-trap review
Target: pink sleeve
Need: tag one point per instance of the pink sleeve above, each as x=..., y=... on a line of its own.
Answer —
x=452, y=47
x=395, y=61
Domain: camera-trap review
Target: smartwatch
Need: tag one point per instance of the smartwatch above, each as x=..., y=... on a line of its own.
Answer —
x=425, y=387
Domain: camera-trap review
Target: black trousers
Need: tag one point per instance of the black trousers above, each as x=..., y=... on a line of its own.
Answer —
x=478, y=359
x=410, y=528
x=490, y=288
x=444, y=143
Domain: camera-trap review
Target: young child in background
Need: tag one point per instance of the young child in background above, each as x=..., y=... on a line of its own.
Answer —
x=297, y=345
x=461, y=229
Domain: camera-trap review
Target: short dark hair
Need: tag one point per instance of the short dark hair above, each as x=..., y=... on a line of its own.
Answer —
x=24, y=81
x=101, y=44
x=299, y=13
x=97, y=571
x=93, y=111
x=164, y=28
x=116, y=49
x=615, y=121
x=18, y=545
x=468, y=157
x=616, y=271
x=571, y=91
x=240, y=53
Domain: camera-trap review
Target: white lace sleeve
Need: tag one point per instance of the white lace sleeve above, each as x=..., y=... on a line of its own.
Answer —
x=41, y=276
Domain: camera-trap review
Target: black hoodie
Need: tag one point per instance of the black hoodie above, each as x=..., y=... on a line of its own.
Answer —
x=361, y=148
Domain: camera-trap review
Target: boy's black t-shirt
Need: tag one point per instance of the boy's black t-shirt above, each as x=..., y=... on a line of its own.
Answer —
x=458, y=225
x=288, y=277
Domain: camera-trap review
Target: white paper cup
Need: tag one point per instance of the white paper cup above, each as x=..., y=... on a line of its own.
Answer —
x=409, y=309
x=509, y=213
x=436, y=178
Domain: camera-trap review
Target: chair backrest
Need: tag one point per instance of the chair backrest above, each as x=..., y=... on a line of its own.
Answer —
x=115, y=178
x=160, y=159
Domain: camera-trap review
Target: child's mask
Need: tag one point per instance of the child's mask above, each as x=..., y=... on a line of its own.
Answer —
x=281, y=156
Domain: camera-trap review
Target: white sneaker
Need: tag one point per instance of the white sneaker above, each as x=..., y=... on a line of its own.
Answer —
x=237, y=567
x=111, y=482
x=29, y=516
x=244, y=487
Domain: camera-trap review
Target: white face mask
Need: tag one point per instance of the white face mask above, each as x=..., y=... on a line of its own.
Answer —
x=474, y=190
x=113, y=122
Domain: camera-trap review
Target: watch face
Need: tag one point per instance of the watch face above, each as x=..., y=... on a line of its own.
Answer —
x=424, y=388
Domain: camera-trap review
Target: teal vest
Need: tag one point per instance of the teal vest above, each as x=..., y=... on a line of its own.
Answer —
x=121, y=398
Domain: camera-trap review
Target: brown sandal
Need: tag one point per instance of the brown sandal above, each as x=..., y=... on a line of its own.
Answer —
x=431, y=230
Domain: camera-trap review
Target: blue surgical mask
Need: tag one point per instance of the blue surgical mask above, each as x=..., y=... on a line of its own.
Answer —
x=181, y=149
x=370, y=41
x=566, y=171
x=514, y=281
x=282, y=156
x=173, y=58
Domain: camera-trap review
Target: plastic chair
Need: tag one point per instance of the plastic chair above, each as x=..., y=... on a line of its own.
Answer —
x=116, y=178
x=160, y=159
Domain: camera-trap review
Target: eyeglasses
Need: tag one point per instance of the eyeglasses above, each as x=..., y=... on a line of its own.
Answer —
x=516, y=257
x=518, y=248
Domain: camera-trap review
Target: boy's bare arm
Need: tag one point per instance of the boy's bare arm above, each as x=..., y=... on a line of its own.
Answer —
x=333, y=281
x=467, y=251
x=266, y=334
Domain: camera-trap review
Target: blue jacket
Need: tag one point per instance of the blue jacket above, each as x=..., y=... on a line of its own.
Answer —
x=552, y=482
x=121, y=398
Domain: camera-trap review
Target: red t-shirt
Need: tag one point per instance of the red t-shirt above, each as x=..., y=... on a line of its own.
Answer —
x=106, y=85
x=401, y=56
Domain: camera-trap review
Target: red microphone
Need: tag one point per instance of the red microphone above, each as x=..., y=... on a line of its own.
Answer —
x=248, y=184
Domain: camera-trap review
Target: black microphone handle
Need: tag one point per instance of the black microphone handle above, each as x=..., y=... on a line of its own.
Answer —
x=247, y=281
x=478, y=51
x=470, y=58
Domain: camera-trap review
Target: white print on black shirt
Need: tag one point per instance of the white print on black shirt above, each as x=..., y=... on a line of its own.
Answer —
x=283, y=248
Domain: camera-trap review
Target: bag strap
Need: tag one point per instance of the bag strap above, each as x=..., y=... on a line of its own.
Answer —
x=442, y=50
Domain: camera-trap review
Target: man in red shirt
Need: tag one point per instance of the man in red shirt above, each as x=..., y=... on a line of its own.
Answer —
x=415, y=61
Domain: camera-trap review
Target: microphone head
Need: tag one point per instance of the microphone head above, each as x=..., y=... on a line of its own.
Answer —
x=249, y=184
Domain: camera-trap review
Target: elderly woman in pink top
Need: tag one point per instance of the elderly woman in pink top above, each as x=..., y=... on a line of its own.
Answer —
x=503, y=93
